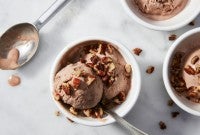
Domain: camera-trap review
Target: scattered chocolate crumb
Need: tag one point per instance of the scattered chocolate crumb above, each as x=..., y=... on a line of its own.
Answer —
x=70, y=120
x=192, y=23
x=137, y=51
x=162, y=125
x=170, y=102
x=172, y=37
x=174, y=114
x=150, y=69
x=57, y=113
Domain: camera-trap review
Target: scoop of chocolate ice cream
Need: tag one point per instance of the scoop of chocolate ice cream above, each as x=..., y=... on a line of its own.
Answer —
x=111, y=62
x=161, y=9
x=78, y=86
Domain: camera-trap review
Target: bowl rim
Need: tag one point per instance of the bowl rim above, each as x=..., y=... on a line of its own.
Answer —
x=137, y=77
x=166, y=71
x=154, y=27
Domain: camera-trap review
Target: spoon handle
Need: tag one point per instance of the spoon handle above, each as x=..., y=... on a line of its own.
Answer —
x=133, y=130
x=50, y=12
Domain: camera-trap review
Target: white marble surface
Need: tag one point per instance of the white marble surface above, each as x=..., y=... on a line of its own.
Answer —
x=28, y=108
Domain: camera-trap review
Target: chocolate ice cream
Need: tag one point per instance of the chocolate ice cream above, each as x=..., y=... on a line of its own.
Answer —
x=79, y=86
x=185, y=74
x=91, y=76
x=160, y=9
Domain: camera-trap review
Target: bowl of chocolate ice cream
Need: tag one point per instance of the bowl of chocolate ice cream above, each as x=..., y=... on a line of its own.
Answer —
x=181, y=72
x=92, y=75
x=163, y=15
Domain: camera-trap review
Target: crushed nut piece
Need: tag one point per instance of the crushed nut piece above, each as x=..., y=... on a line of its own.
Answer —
x=162, y=125
x=150, y=69
x=192, y=23
x=67, y=88
x=198, y=69
x=106, y=60
x=56, y=96
x=127, y=68
x=170, y=102
x=87, y=112
x=76, y=82
x=188, y=69
x=194, y=59
x=137, y=51
x=57, y=113
x=174, y=114
x=90, y=79
x=111, y=67
x=73, y=111
x=172, y=37
x=99, y=113
x=94, y=59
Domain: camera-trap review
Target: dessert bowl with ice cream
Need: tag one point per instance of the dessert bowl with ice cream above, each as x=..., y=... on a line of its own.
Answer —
x=94, y=74
x=181, y=71
x=163, y=15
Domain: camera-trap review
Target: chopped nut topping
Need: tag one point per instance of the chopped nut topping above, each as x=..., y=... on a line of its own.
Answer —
x=174, y=114
x=188, y=69
x=137, y=51
x=109, y=49
x=56, y=96
x=87, y=112
x=194, y=59
x=94, y=59
x=106, y=60
x=150, y=69
x=57, y=113
x=76, y=82
x=120, y=98
x=90, y=65
x=172, y=37
x=193, y=92
x=90, y=79
x=73, y=111
x=197, y=69
x=102, y=48
x=67, y=88
x=111, y=67
x=162, y=125
x=99, y=113
x=127, y=68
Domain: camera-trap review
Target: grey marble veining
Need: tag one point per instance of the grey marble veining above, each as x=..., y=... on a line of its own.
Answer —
x=28, y=108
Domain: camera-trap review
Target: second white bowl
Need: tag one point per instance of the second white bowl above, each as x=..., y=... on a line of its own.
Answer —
x=188, y=14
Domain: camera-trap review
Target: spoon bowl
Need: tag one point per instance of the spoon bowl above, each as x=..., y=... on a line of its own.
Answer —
x=21, y=40
x=24, y=37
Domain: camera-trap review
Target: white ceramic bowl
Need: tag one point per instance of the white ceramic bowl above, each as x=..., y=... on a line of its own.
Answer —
x=188, y=14
x=122, y=109
x=189, y=40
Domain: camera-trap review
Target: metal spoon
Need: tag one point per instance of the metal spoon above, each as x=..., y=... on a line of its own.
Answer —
x=133, y=130
x=25, y=38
